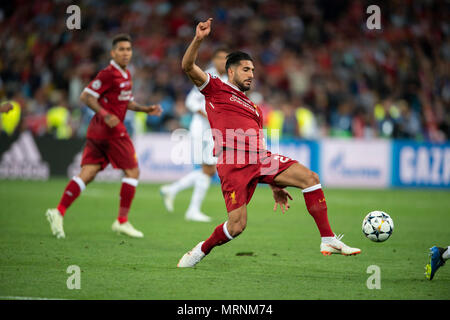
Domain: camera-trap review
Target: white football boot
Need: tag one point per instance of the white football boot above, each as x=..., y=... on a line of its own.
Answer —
x=56, y=223
x=337, y=246
x=127, y=229
x=197, y=216
x=191, y=258
x=168, y=197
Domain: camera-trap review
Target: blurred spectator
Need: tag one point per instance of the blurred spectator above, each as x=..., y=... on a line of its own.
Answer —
x=306, y=121
x=58, y=117
x=10, y=117
x=341, y=120
x=409, y=126
x=318, y=56
x=387, y=116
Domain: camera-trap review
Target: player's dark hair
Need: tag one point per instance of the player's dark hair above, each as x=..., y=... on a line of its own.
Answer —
x=235, y=58
x=119, y=38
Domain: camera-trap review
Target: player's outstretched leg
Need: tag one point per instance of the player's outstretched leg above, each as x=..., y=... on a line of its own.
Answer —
x=223, y=233
x=169, y=191
x=201, y=186
x=55, y=216
x=71, y=193
x=301, y=177
x=127, y=192
x=438, y=256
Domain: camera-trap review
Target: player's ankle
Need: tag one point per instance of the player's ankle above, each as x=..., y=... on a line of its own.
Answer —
x=61, y=209
x=327, y=239
x=122, y=220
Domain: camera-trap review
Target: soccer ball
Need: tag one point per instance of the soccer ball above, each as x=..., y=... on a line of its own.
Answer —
x=378, y=226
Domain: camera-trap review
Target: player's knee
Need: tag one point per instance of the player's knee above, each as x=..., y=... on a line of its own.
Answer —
x=310, y=179
x=209, y=170
x=88, y=174
x=132, y=173
x=314, y=178
x=211, y=173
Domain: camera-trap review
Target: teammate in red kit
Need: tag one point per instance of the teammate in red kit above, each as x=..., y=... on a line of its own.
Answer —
x=243, y=159
x=110, y=96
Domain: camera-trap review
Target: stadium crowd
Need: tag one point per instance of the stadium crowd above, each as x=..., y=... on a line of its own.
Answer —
x=319, y=70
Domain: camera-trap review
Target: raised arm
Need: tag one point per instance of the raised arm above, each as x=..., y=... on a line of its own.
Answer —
x=197, y=75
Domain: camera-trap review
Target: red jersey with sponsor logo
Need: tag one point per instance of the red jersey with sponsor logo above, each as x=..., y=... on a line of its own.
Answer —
x=112, y=87
x=236, y=121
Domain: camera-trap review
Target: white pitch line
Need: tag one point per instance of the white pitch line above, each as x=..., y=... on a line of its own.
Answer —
x=27, y=298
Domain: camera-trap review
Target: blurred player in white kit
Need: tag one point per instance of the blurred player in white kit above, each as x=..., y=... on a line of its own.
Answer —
x=202, y=148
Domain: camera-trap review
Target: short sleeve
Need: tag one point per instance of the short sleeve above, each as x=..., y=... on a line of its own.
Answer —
x=100, y=84
x=211, y=86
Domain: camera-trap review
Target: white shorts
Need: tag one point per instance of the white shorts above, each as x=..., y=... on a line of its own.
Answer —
x=202, y=142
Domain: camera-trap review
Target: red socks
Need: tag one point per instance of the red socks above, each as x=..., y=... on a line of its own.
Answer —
x=126, y=197
x=217, y=238
x=76, y=186
x=72, y=191
x=317, y=207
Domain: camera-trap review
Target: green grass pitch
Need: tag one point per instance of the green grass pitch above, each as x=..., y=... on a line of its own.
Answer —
x=277, y=257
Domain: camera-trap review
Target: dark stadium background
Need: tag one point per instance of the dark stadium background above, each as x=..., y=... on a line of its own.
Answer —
x=318, y=55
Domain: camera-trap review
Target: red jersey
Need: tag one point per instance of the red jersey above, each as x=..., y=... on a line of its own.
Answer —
x=112, y=87
x=235, y=120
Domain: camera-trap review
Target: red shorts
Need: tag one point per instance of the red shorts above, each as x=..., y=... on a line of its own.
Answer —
x=118, y=151
x=239, y=179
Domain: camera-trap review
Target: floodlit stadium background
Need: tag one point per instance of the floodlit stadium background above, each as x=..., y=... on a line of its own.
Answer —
x=369, y=110
x=362, y=107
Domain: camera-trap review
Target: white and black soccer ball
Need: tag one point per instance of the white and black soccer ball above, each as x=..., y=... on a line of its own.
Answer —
x=378, y=226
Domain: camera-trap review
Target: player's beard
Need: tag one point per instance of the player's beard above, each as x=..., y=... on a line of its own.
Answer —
x=241, y=85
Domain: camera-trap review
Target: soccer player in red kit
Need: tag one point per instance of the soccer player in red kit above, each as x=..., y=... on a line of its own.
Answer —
x=110, y=96
x=233, y=117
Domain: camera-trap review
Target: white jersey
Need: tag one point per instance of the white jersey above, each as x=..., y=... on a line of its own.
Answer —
x=202, y=140
x=195, y=101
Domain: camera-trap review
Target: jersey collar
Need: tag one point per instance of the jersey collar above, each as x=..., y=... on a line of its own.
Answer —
x=122, y=72
x=234, y=87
